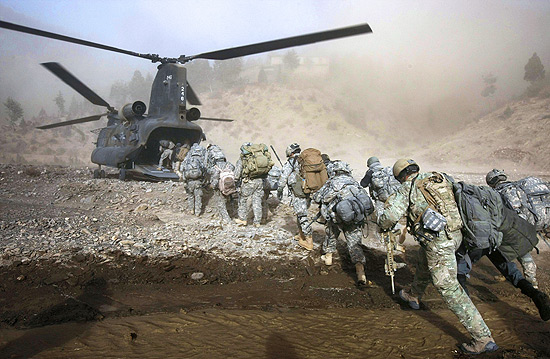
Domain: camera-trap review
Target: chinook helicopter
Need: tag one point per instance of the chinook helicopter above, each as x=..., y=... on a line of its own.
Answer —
x=130, y=141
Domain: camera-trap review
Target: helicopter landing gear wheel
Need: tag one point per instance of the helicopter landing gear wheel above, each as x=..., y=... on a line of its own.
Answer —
x=122, y=174
x=102, y=174
x=96, y=173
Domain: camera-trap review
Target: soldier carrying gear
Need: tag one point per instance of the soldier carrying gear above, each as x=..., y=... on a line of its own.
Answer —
x=222, y=181
x=344, y=204
x=300, y=202
x=516, y=196
x=194, y=176
x=165, y=148
x=436, y=258
x=252, y=169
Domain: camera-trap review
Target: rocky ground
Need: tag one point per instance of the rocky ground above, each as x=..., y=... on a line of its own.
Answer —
x=76, y=249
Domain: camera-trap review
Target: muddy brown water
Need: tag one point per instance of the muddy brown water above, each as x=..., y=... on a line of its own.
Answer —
x=327, y=333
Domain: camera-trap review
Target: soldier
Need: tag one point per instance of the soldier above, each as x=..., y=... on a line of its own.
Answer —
x=299, y=201
x=436, y=258
x=344, y=205
x=222, y=181
x=194, y=171
x=516, y=199
x=166, y=147
x=270, y=184
x=251, y=169
x=180, y=151
x=380, y=182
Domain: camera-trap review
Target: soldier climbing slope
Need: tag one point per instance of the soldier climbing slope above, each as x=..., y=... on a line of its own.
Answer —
x=530, y=199
x=299, y=201
x=222, y=181
x=344, y=205
x=194, y=177
x=436, y=258
x=252, y=169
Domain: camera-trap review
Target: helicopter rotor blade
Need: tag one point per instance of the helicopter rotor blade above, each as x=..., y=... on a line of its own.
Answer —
x=215, y=119
x=52, y=35
x=76, y=84
x=73, y=122
x=192, y=97
x=280, y=44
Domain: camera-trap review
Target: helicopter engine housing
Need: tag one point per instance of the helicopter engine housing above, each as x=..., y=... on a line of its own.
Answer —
x=131, y=111
x=193, y=114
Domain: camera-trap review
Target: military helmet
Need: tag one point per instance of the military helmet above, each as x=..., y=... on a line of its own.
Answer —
x=495, y=176
x=292, y=148
x=246, y=144
x=337, y=167
x=372, y=160
x=404, y=167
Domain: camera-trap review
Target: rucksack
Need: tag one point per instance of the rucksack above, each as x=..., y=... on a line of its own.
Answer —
x=227, y=183
x=273, y=177
x=481, y=209
x=256, y=160
x=180, y=153
x=215, y=153
x=351, y=204
x=536, y=200
x=194, y=167
x=312, y=170
x=384, y=183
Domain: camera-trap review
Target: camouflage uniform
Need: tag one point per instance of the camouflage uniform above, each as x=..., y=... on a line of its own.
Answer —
x=219, y=198
x=251, y=194
x=436, y=261
x=300, y=205
x=166, y=152
x=511, y=196
x=352, y=232
x=194, y=187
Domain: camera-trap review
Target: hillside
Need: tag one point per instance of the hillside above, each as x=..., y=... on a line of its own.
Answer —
x=515, y=137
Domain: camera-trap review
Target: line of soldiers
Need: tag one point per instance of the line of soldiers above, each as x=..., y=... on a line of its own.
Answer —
x=434, y=213
x=427, y=200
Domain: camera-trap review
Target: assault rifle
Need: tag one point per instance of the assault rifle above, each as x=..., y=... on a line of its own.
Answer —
x=317, y=216
x=276, y=155
x=390, y=266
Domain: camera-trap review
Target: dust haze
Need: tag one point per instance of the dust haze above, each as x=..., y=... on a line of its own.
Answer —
x=412, y=84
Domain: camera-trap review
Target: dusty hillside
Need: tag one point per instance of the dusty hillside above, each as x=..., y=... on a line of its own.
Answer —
x=280, y=115
x=515, y=138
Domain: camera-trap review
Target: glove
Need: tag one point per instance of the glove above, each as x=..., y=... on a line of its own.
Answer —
x=279, y=195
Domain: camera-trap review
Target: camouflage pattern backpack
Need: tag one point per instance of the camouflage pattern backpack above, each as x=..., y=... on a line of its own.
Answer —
x=384, y=183
x=194, y=167
x=256, y=160
x=534, y=195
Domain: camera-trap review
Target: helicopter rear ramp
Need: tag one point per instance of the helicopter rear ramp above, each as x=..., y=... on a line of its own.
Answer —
x=152, y=172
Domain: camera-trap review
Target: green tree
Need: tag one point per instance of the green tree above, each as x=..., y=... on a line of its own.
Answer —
x=119, y=93
x=15, y=111
x=490, y=87
x=262, y=76
x=291, y=60
x=60, y=103
x=138, y=88
x=200, y=75
x=227, y=73
x=534, y=70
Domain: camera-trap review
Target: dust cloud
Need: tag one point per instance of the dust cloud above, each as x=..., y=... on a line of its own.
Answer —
x=416, y=79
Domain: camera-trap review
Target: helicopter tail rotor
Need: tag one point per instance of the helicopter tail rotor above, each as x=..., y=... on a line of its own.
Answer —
x=76, y=84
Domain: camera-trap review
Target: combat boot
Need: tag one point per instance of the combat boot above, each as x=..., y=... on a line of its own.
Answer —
x=306, y=243
x=483, y=345
x=412, y=301
x=541, y=300
x=240, y=222
x=360, y=271
x=327, y=258
x=300, y=235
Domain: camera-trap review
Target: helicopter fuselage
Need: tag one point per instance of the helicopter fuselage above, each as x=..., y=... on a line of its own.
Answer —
x=131, y=140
